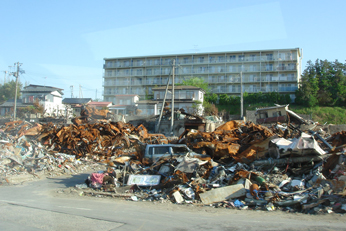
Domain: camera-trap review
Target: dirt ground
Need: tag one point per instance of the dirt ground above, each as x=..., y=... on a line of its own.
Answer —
x=204, y=210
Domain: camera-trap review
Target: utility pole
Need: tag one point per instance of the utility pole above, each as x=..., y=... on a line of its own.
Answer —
x=172, y=116
x=241, y=96
x=80, y=91
x=157, y=128
x=16, y=74
x=71, y=87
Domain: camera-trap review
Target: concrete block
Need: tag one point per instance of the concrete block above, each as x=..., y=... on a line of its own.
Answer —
x=224, y=193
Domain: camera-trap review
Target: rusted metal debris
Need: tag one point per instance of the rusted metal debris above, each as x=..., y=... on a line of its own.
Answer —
x=98, y=141
x=233, y=140
x=238, y=154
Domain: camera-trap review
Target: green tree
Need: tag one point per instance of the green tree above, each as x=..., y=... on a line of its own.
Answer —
x=8, y=90
x=338, y=83
x=196, y=82
x=211, y=98
x=324, y=95
x=323, y=83
x=224, y=99
x=234, y=100
x=308, y=87
x=285, y=99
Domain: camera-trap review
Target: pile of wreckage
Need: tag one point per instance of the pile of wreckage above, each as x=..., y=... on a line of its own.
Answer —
x=239, y=165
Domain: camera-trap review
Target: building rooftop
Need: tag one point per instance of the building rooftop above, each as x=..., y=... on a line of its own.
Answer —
x=10, y=103
x=205, y=53
x=99, y=104
x=40, y=88
x=76, y=100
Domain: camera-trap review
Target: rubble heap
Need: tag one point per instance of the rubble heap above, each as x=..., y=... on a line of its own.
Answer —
x=239, y=165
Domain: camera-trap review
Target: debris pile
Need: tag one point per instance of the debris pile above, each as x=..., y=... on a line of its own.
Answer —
x=239, y=165
x=23, y=158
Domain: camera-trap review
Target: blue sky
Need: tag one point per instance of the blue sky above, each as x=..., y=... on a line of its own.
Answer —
x=63, y=43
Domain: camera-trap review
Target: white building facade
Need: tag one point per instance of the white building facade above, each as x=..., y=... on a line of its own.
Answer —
x=265, y=71
x=188, y=98
x=48, y=97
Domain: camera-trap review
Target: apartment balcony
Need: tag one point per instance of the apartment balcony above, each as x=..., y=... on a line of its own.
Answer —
x=234, y=80
x=288, y=79
x=252, y=89
x=153, y=82
x=234, y=90
x=250, y=79
x=268, y=89
x=269, y=79
x=220, y=91
x=288, y=89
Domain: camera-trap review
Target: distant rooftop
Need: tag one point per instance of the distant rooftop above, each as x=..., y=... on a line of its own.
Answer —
x=40, y=88
x=76, y=100
x=99, y=103
x=204, y=53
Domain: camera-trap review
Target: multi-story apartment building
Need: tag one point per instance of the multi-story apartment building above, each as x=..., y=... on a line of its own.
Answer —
x=257, y=71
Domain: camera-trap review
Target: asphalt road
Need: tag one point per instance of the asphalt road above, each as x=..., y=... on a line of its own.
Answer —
x=38, y=206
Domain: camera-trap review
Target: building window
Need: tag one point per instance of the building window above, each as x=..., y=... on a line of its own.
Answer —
x=252, y=57
x=269, y=57
x=281, y=67
x=211, y=59
x=210, y=79
x=281, y=56
x=253, y=68
x=269, y=67
x=157, y=62
x=190, y=94
x=232, y=58
x=289, y=56
x=201, y=59
x=291, y=66
x=231, y=69
x=139, y=62
x=202, y=69
x=221, y=59
x=263, y=115
x=109, y=64
x=149, y=71
x=212, y=69
x=269, y=77
x=240, y=58
x=186, y=70
x=167, y=61
x=186, y=60
x=290, y=77
x=139, y=71
x=283, y=77
x=157, y=71
x=222, y=79
x=177, y=95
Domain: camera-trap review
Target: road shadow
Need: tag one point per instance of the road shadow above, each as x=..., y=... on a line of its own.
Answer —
x=70, y=181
